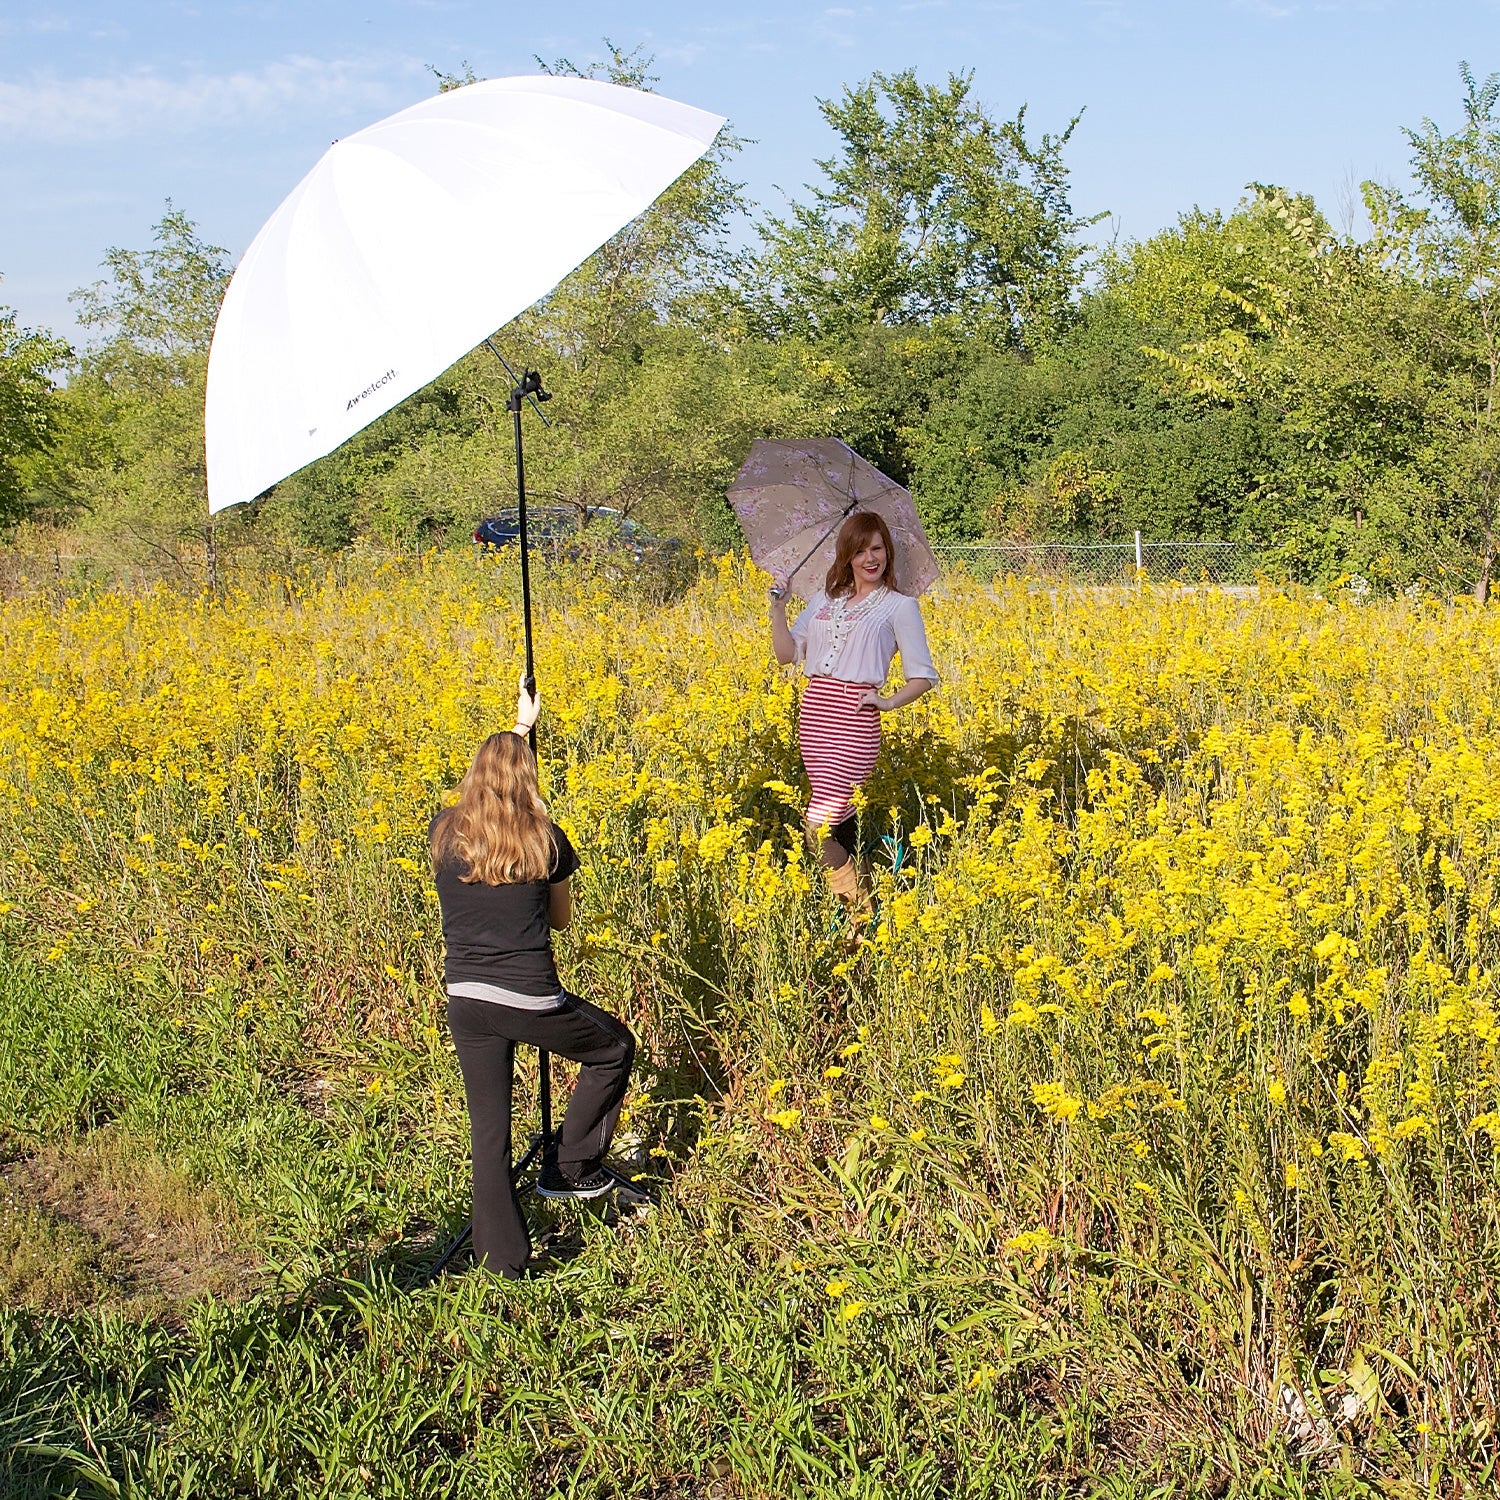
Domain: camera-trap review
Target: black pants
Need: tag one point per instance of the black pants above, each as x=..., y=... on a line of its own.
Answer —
x=486, y=1036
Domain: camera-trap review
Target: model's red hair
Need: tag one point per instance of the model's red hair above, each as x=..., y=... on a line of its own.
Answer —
x=853, y=535
x=499, y=826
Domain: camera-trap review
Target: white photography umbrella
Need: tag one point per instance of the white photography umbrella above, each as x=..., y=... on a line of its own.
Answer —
x=412, y=241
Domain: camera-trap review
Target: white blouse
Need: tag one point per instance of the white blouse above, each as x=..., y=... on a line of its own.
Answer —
x=855, y=642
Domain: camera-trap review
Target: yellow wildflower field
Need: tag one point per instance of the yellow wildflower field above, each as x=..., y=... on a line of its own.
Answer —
x=1181, y=1005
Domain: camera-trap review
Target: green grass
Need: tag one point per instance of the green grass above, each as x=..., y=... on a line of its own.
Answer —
x=686, y=1353
x=47, y=1263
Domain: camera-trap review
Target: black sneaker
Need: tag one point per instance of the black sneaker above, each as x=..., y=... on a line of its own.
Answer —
x=592, y=1182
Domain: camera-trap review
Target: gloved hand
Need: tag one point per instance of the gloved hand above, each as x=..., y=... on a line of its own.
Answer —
x=528, y=706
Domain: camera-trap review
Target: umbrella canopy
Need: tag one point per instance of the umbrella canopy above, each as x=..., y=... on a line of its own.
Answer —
x=412, y=241
x=792, y=497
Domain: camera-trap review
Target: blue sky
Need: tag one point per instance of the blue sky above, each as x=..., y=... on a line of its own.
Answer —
x=106, y=110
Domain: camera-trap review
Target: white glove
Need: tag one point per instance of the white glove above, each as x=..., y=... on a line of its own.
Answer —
x=528, y=706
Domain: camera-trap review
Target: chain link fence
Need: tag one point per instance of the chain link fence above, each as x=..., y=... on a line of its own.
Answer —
x=1107, y=564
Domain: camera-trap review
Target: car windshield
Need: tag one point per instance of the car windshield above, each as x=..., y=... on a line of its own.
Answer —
x=541, y=524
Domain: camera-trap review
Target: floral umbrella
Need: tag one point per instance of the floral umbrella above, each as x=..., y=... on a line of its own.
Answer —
x=792, y=497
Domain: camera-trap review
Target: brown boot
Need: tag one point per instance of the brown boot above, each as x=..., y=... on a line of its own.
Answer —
x=844, y=883
x=853, y=891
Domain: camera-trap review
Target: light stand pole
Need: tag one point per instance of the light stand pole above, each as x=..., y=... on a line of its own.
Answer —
x=530, y=384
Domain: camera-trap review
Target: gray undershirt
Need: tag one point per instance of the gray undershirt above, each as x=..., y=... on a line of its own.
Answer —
x=473, y=989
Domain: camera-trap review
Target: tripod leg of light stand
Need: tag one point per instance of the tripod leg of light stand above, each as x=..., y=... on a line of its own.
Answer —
x=631, y=1190
x=544, y=1100
x=440, y=1265
x=534, y=1150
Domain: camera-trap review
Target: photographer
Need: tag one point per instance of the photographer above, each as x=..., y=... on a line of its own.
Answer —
x=504, y=871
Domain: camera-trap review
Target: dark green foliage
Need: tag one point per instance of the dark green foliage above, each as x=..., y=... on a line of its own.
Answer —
x=1082, y=444
x=29, y=412
x=1251, y=376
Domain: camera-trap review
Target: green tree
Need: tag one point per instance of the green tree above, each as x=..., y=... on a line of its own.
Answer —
x=1314, y=342
x=1371, y=367
x=29, y=413
x=1449, y=237
x=1083, y=443
x=931, y=211
x=138, y=389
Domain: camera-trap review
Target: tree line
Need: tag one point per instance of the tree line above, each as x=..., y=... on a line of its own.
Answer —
x=1323, y=396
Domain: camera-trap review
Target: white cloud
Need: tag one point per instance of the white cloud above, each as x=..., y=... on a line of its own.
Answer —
x=76, y=110
x=1265, y=8
x=686, y=53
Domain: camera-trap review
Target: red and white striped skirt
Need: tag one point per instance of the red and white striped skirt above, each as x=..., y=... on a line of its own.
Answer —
x=839, y=743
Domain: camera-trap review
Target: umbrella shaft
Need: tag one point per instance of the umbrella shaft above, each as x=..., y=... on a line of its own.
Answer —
x=837, y=522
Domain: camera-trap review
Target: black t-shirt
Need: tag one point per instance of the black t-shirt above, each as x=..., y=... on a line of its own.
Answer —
x=499, y=934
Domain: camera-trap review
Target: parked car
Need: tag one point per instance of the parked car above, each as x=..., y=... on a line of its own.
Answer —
x=555, y=531
x=623, y=534
x=547, y=527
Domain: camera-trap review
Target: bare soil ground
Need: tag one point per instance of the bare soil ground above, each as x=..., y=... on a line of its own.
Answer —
x=92, y=1223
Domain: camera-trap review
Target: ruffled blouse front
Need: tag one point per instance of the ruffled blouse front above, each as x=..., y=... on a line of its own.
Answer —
x=852, y=642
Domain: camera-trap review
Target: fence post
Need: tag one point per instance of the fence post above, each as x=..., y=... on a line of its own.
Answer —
x=1139, y=568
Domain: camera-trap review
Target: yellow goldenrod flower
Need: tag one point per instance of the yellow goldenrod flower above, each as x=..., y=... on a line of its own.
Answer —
x=1349, y=1147
x=1055, y=1100
x=1029, y=1240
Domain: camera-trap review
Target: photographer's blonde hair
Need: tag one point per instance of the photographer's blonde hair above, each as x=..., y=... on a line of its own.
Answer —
x=499, y=826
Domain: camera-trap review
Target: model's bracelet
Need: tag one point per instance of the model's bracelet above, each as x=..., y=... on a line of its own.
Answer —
x=522, y=729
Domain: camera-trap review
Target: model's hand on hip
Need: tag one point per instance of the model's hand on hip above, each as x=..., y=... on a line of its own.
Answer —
x=871, y=698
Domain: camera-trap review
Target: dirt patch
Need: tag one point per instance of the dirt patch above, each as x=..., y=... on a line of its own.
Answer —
x=48, y=1263
x=97, y=1222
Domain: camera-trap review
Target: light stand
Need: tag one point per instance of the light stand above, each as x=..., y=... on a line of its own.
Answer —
x=530, y=385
